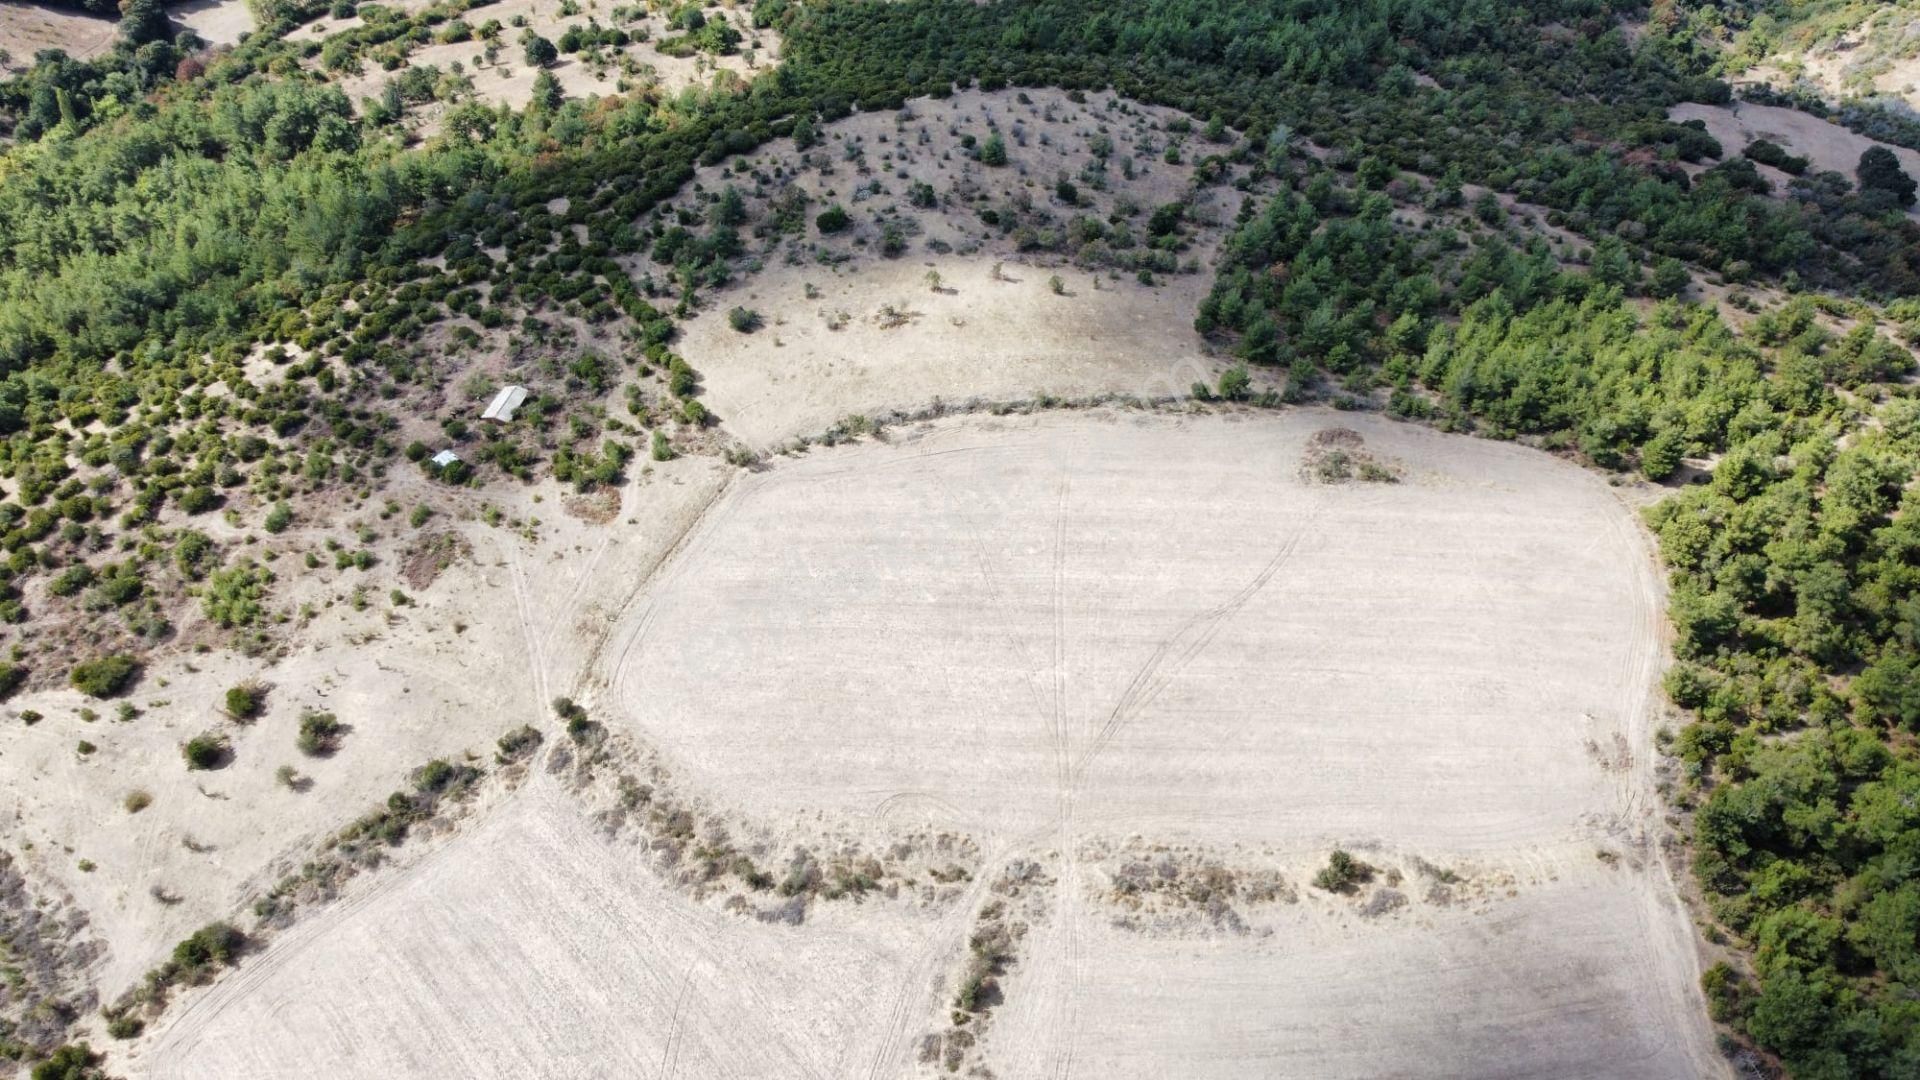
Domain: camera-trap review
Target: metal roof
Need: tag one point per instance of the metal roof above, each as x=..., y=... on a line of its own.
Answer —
x=504, y=403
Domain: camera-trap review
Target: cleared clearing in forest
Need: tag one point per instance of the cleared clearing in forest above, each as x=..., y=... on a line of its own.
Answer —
x=1066, y=635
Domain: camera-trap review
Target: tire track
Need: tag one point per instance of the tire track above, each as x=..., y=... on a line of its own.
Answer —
x=888, y=1058
x=1178, y=650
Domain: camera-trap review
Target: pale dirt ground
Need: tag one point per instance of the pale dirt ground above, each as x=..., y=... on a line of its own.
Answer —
x=1574, y=980
x=533, y=947
x=27, y=28
x=1055, y=633
x=411, y=686
x=220, y=22
x=1830, y=147
x=1084, y=625
x=510, y=80
x=970, y=612
x=977, y=337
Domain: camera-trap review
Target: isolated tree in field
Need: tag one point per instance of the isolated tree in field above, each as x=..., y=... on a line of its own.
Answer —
x=540, y=52
x=994, y=150
x=142, y=21
x=833, y=219
x=1880, y=170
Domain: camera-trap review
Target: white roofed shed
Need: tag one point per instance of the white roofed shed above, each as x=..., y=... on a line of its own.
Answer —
x=504, y=403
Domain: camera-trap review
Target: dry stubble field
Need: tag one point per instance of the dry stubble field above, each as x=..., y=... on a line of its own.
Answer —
x=1118, y=646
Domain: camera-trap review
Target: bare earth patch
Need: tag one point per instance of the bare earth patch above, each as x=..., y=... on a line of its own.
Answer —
x=1830, y=147
x=219, y=22
x=1149, y=675
x=27, y=28
x=978, y=338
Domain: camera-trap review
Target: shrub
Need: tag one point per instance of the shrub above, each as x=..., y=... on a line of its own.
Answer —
x=517, y=744
x=1235, y=383
x=833, y=219
x=70, y=581
x=579, y=727
x=994, y=150
x=320, y=733
x=232, y=597
x=76, y=1061
x=539, y=51
x=744, y=320
x=245, y=701
x=11, y=677
x=1879, y=171
x=136, y=801
x=279, y=518
x=662, y=450
x=106, y=676
x=206, y=949
x=208, y=751
x=1342, y=873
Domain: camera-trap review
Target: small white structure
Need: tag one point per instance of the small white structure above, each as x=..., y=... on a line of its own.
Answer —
x=444, y=458
x=504, y=402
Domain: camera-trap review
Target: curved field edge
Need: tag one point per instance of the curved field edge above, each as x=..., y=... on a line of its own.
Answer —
x=1817, y=645
x=1600, y=1009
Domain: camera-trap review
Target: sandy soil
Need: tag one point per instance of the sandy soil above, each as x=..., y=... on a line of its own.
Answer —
x=1571, y=980
x=1058, y=634
x=27, y=28
x=978, y=337
x=549, y=952
x=1828, y=146
x=448, y=674
x=220, y=22
x=889, y=619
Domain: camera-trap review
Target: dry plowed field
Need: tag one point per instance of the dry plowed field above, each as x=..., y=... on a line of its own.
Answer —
x=1160, y=658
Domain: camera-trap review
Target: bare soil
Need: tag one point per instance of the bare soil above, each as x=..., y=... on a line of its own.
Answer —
x=1098, y=643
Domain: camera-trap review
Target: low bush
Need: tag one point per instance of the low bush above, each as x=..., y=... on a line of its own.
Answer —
x=517, y=744
x=11, y=678
x=76, y=1061
x=320, y=733
x=106, y=676
x=207, y=751
x=1343, y=873
x=245, y=701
